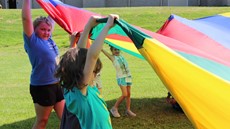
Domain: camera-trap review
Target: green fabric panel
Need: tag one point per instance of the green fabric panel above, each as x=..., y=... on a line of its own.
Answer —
x=121, y=28
x=115, y=30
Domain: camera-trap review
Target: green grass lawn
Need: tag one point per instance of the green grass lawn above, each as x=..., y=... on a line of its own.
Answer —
x=148, y=92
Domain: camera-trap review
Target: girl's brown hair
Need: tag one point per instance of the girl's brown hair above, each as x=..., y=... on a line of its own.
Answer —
x=71, y=66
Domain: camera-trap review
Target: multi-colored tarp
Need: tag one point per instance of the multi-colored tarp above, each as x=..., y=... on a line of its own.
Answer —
x=191, y=57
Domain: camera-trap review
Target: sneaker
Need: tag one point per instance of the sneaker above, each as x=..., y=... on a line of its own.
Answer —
x=114, y=112
x=130, y=113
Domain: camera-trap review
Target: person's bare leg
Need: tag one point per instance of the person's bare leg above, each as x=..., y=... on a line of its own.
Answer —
x=128, y=99
x=128, y=102
x=114, y=109
x=122, y=97
x=42, y=116
x=58, y=108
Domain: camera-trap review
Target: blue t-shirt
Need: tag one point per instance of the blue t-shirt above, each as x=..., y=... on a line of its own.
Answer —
x=42, y=55
x=90, y=109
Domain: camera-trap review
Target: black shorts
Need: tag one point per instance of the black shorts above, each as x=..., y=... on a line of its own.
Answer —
x=46, y=95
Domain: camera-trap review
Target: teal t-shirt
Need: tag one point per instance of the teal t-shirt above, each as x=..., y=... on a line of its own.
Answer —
x=90, y=109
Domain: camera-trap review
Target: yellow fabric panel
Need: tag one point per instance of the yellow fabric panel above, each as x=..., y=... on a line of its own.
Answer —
x=126, y=45
x=226, y=14
x=204, y=97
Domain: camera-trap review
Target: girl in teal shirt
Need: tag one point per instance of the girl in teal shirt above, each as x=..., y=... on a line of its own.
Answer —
x=77, y=70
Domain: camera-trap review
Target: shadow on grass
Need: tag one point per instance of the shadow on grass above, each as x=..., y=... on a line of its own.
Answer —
x=152, y=113
x=28, y=123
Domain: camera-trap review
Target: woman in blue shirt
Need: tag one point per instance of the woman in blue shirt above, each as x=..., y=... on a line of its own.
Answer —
x=43, y=55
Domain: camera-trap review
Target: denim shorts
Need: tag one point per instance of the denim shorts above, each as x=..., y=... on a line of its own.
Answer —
x=125, y=81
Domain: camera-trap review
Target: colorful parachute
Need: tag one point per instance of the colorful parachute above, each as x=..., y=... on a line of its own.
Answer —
x=192, y=57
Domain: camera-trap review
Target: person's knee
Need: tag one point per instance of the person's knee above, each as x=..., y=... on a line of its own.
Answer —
x=128, y=94
x=42, y=122
x=124, y=95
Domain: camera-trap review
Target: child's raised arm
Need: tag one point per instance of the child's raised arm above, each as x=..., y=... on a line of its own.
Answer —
x=73, y=39
x=110, y=56
x=27, y=18
x=85, y=34
x=96, y=47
